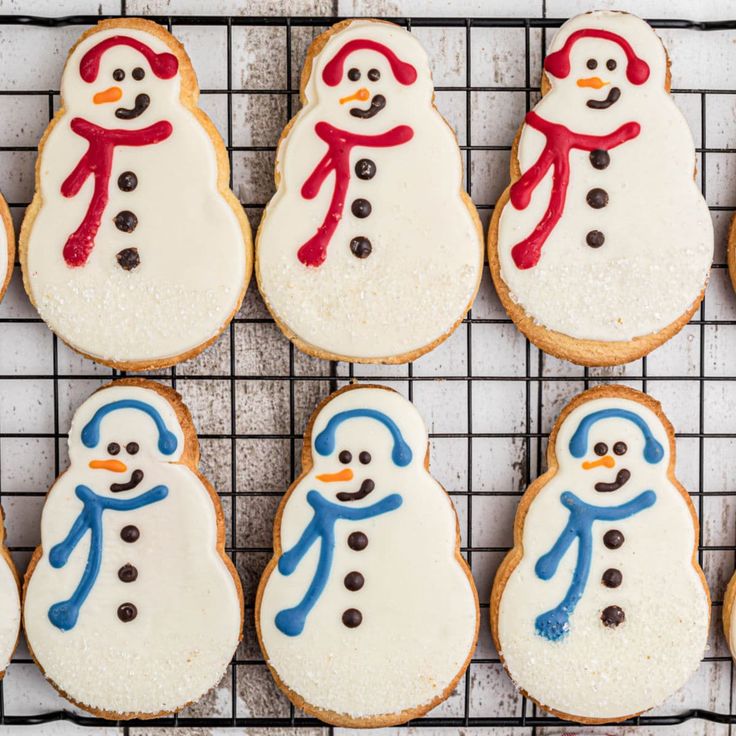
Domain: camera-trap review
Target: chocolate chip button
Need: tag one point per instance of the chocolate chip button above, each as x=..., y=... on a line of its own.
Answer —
x=128, y=573
x=613, y=616
x=365, y=169
x=599, y=159
x=131, y=534
x=352, y=618
x=127, y=612
x=612, y=578
x=597, y=198
x=595, y=238
x=361, y=207
x=126, y=221
x=357, y=541
x=613, y=539
x=127, y=181
x=128, y=259
x=354, y=581
x=361, y=247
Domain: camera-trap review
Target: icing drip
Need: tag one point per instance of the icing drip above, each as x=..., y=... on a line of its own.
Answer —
x=340, y=143
x=97, y=161
x=560, y=140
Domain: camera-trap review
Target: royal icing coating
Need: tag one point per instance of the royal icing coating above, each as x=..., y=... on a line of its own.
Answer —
x=368, y=248
x=367, y=611
x=605, y=614
x=605, y=236
x=134, y=255
x=130, y=608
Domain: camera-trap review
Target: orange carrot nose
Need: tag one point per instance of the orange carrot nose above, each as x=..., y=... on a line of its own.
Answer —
x=607, y=461
x=115, y=465
x=111, y=94
x=345, y=474
x=362, y=94
x=594, y=82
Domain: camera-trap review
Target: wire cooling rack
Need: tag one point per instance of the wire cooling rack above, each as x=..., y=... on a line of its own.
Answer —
x=533, y=380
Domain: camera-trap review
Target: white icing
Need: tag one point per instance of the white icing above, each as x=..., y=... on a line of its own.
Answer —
x=193, y=258
x=427, y=252
x=189, y=607
x=418, y=602
x=596, y=671
x=658, y=231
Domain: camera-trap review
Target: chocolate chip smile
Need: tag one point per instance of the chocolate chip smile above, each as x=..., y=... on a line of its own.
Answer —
x=377, y=104
x=613, y=96
x=135, y=478
x=142, y=102
x=366, y=487
x=622, y=477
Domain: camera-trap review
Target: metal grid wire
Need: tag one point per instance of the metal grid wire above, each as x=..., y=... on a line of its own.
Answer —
x=334, y=374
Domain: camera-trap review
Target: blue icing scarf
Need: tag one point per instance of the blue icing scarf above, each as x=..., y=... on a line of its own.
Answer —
x=64, y=614
x=554, y=624
x=291, y=621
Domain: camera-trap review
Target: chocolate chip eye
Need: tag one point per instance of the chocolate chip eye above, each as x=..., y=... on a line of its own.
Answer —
x=620, y=448
x=138, y=74
x=611, y=64
x=601, y=448
x=113, y=448
x=591, y=64
x=364, y=457
x=374, y=75
x=118, y=75
x=345, y=457
x=132, y=448
x=354, y=74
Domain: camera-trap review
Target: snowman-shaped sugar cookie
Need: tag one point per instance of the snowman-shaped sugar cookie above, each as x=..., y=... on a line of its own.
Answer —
x=134, y=250
x=601, y=247
x=10, y=606
x=131, y=607
x=7, y=246
x=367, y=614
x=600, y=611
x=370, y=250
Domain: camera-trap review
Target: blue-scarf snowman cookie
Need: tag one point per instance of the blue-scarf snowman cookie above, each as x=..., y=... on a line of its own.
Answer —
x=367, y=614
x=600, y=611
x=131, y=607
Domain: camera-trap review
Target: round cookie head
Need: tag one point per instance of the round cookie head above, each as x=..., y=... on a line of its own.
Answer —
x=370, y=71
x=601, y=438
x=123, y=421
x=606, y=52
x=121, y=78
x=363, y=428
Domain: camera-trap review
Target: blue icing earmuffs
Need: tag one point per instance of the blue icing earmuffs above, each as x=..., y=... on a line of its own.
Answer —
x=653, y=450
x=324, y=443
x=167, y=441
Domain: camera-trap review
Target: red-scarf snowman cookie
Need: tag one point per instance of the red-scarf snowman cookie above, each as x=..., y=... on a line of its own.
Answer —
x=131, y=606
x=600, y=611
x=367, y=615
x=370, y=250
x=601, y=247
x=134, y=250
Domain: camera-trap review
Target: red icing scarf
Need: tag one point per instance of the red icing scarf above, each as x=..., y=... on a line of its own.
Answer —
x=97, y=161
x=560, y=141
x=340, y=143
